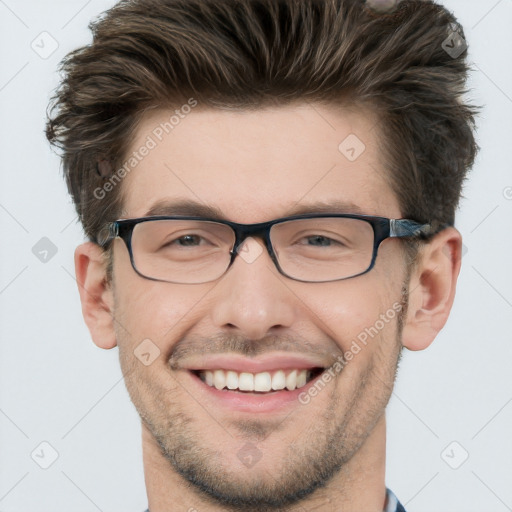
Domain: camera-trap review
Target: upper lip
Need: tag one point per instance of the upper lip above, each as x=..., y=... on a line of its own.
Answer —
x=266, y=363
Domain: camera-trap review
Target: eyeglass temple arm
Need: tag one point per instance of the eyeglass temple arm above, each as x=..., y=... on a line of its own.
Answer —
x=108, y=233
x=403, y=228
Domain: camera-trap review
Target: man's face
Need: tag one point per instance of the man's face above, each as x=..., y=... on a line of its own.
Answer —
x=271, y=448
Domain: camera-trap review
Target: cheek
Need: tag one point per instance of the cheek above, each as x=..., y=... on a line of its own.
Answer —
x=160, y=312
x=146, y=309
x=357, y=310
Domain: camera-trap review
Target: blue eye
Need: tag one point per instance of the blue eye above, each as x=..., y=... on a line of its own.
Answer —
x=320, y=241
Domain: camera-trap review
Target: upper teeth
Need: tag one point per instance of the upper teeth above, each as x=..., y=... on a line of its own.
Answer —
x=264, y=381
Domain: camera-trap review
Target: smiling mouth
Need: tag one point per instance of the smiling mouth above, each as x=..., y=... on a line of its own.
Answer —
x=263, y=382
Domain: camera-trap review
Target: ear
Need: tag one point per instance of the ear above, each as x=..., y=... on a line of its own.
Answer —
x=432, y=289
x=95, y=294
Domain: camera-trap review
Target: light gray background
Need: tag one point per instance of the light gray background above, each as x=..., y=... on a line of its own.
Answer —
x=57, y=386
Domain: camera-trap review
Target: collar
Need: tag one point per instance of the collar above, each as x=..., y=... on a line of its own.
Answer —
x=392, y=503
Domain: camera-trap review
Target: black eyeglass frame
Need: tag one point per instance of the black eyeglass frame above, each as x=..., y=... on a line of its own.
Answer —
x=383, y=228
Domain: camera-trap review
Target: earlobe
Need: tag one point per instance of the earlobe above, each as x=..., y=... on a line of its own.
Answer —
x=95, y=294
x=432, y=289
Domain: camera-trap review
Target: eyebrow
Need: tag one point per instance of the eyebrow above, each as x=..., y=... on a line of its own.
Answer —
x=192, y=208
x=185, y=208
x=336, y=206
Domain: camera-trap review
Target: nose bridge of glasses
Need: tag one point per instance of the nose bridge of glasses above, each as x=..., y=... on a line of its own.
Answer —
x=243, y=232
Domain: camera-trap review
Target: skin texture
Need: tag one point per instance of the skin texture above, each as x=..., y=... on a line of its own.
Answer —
x=328, y=454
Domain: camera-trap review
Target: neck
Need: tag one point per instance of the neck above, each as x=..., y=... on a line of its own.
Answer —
x=359, y=485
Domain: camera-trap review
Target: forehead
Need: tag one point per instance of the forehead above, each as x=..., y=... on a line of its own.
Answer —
x=253, y=166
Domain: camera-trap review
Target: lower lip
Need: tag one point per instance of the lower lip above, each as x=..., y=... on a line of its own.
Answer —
x=252, y=402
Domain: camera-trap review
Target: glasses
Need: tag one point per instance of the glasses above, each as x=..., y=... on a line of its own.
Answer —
x=313, y=248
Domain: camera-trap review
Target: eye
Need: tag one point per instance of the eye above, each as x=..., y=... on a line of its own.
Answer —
x=320, y=241
x=187, y=240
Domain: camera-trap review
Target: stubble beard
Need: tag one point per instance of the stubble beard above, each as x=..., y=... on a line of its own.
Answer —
x=319, y=452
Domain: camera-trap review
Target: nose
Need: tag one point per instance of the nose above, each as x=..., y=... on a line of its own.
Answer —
x=252, y=299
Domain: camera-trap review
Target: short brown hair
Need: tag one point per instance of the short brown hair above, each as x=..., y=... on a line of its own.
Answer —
x=247, y=54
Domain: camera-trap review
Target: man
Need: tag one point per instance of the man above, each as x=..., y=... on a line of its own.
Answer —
x=268, y=188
